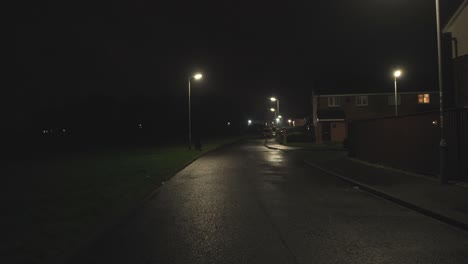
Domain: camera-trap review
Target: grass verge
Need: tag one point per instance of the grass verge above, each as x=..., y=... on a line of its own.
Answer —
x=54, y=204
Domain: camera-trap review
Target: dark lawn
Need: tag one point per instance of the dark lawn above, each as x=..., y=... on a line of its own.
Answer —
x=52, y=204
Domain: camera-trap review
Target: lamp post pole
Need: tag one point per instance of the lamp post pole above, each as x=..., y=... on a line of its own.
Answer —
x=197, y=76
x=396, y=74
x=277, y=106
x=189, y=115
x=443, y=143
x=396, y=98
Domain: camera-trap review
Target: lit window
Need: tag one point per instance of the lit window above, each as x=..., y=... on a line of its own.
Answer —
x=424, y=98
x=333, y=101
x=361, y=100
x=391, y=99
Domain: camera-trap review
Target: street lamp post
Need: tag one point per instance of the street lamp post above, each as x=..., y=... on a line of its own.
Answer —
x=396, y=74
x=443, y=143
x=197, y=76
x=274, y=99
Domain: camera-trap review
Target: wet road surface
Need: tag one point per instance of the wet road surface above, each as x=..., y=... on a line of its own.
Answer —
x=248, y=204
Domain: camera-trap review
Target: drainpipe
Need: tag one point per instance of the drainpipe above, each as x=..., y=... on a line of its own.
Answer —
x=455, y=45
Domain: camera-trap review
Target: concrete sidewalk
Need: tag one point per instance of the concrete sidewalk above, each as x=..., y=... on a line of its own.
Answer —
x=447, y=203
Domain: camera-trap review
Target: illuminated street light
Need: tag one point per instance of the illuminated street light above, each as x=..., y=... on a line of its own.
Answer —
x=280, y=117
x=396, y=74
x=274, y=111
x=197, y=76
x=274, y=99
x=249, y=122
x=289, y=122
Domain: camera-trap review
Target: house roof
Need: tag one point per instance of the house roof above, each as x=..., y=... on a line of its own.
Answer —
x=455, y=16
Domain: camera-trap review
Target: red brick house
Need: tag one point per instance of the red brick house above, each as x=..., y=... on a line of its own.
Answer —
x=332, y=111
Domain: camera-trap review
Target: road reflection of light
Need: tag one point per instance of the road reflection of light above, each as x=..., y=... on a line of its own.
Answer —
x=207, y=199
x=274, y=157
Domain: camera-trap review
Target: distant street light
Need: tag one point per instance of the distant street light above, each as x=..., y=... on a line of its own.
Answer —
x=274, y=111
x=197, y=76
x=280, y=117
x=249, y=122
x=289, y=122
x=274, y=99
x=396, y=74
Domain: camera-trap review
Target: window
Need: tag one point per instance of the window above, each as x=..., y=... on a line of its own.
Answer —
x=424, y=98
x=333, y=101
x=361, y=100
x=391, y=100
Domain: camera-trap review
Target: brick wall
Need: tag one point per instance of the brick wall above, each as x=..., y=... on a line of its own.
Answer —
x=411, y=142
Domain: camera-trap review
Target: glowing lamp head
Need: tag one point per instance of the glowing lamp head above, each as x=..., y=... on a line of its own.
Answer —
x=397, y=73
x=280, y=117
x=198, y=76
x=272, y=109
x=273, y=99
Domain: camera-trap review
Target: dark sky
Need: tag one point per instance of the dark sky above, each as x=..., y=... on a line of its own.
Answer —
x=247, y=51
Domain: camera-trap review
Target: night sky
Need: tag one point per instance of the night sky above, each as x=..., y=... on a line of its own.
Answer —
x=90, y=57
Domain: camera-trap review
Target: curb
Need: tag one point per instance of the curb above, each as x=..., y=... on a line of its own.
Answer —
x=380, y=166
x=124, y=218
x=394, y=199
x=269, y=147
x=306, y=149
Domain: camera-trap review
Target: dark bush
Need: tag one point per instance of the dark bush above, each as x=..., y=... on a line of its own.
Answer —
x=299, y=137
x=296, y=129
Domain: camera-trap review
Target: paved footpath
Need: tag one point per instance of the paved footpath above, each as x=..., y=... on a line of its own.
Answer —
x=249, y=204
x=448, y=203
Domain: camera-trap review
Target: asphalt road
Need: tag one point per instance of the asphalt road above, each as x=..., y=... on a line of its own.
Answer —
x=248, y=204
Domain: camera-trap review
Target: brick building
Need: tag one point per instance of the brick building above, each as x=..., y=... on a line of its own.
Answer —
x=331, y=112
